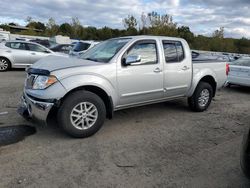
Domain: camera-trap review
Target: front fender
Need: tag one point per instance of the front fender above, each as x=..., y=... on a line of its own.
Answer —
x=76, y=81
x=197, y=76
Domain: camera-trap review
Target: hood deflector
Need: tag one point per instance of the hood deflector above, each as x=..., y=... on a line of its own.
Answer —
x=38, y=71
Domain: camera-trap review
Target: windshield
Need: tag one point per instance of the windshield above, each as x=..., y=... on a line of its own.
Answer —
x=81, y=46
x=105, y=51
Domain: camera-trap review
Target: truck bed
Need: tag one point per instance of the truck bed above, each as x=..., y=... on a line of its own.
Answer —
x=213, y=66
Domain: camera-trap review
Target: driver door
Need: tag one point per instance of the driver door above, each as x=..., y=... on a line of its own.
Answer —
x=142, y=81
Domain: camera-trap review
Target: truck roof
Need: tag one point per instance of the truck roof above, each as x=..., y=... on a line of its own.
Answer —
x=153, y=37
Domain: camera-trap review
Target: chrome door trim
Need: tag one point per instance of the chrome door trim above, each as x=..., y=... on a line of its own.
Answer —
x=121, y=107
x=142, y=92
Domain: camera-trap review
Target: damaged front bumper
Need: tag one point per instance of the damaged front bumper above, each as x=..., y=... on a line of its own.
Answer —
x=31, y=108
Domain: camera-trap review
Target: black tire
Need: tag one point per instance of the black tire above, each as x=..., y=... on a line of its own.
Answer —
x=6, y=64
x=194, y=100
x=245, y=155
x=13, y=134
x=71, y=101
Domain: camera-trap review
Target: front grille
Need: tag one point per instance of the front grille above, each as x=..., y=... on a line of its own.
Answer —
x=30, y=81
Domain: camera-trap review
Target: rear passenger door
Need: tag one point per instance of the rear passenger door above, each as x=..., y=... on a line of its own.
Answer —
x=177, y=69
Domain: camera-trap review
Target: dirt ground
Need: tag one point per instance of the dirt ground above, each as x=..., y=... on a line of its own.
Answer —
x=161, y=145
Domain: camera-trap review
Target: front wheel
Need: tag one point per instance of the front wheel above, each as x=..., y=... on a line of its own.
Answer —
x=201, y=97
x=82, y=114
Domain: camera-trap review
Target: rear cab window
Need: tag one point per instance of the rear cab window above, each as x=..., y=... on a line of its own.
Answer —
x=173, y=51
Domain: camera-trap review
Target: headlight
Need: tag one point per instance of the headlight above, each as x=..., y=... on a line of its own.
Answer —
x=42, y=82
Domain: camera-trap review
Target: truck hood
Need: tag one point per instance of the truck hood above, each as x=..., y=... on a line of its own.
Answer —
x=52, y=63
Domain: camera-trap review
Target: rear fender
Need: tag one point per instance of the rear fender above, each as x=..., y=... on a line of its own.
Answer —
x=197, y=77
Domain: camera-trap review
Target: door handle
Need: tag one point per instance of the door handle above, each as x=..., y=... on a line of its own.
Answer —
x=8, y=51
x=33, y=53
x=157, y=70
x=185, y=68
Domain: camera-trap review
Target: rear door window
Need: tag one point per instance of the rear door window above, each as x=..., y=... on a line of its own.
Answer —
x=173, y=51
x=16, y=45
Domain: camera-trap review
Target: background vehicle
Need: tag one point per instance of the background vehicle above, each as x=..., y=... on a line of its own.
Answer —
x=239, y=72
x=45, y=43
x=196, y=56
x=63, y=48
x=20, y=54
x=117, y=74
x=80, y=47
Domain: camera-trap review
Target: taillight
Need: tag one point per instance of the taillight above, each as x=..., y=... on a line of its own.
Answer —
x=227, y=69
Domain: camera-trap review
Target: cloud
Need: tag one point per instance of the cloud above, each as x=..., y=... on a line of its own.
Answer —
x=203, y=17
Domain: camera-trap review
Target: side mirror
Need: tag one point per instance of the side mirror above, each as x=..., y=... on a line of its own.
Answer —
x=132, y=59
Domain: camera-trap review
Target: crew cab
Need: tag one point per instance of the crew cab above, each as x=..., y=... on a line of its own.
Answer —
x=116, y=74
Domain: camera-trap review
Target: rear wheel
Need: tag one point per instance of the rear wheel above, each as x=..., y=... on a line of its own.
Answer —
x=82, y=114
x=4, y=64
x=201, y=97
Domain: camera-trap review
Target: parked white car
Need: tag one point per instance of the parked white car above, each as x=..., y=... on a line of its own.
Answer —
x=239, y=72
x=20, y=54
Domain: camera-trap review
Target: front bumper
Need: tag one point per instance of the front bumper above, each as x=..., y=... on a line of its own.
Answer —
x=33, y=109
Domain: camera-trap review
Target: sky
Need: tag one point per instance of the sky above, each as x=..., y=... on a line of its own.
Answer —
x=202, y=16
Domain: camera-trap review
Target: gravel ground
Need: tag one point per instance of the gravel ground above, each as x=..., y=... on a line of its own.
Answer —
x=161, y=145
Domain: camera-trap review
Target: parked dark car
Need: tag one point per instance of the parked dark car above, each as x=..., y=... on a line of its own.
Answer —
x=245, y=154
x=42, y=42
x=81, y=47
x=64, y=48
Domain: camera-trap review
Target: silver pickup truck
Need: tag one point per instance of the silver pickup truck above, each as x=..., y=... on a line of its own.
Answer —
x=116, y=74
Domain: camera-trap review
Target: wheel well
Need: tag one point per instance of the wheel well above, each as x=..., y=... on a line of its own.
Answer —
x=101, y=93
x=211, y=81
x=6, y=59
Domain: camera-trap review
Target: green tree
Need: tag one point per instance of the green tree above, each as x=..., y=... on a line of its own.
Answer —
x=36, y=25
x=13, y=24
x=184, y=32
x=158, y=20
x=219, y=33
x=76, y=28
x=65, y=29
x=29, y=19
x=52, y=27
x=243, y=45
x=152, y=23
x=130, y=22
x=105, y=33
